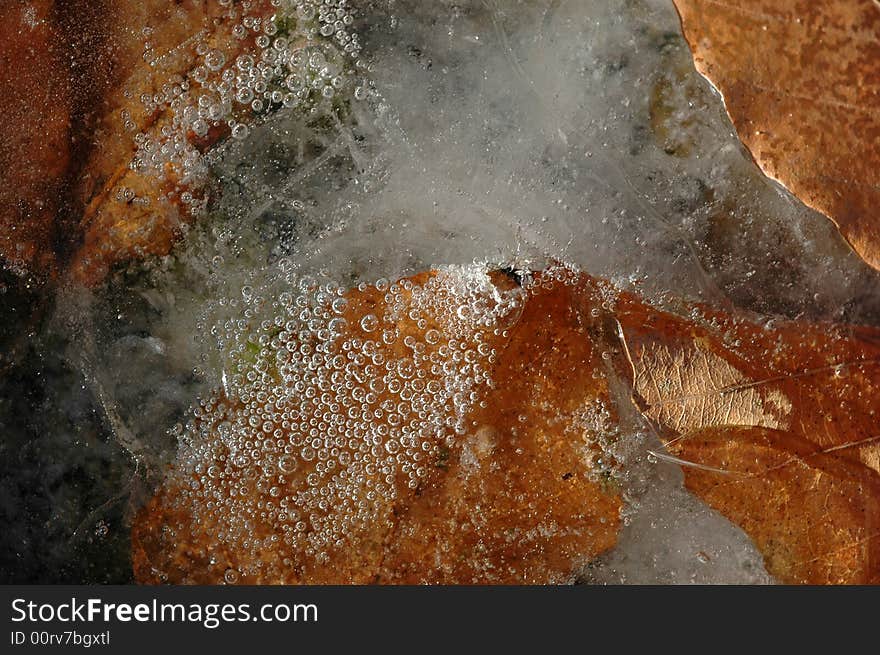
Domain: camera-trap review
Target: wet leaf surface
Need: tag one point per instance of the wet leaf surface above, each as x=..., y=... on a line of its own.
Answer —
x=779, y=421
x=129, y=212
x=513, y=500
x=101, y=81
x=774, y=424
x=800, y=80
x=34, y=148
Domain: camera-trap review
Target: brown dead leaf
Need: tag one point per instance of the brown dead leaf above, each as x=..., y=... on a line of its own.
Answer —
x=781, y=425
x=774, y=423
x=510, y=496
x=801, y=82
x=68, y=70
x=90, y=91
x=150, y=51
x=35, y=102
x=129, y=211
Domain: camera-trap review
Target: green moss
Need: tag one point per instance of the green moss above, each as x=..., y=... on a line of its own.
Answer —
x=251, y=354
x=285, y=24
x=608, y=483
x=252, y=351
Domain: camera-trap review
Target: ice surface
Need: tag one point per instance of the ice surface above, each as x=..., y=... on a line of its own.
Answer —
x=514, y=133
x=517, y=134
x=674, y=538
x=532, y=130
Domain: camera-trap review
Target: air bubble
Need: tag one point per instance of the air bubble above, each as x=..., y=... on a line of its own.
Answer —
x=369, y=323
x=214, y=60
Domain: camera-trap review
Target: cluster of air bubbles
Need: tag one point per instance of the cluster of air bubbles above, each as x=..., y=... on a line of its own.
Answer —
x=593, y=425
x=302, y=56
x=333, y=403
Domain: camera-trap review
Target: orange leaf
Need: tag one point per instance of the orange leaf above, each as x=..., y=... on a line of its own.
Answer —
x=107, y=122
x=495, y=481
x=780, y=423
x=130, y=212
x=775, y=425
x=801, y=82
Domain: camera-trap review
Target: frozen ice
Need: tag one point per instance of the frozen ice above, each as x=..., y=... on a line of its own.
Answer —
x=512, y=134
x=504, y=133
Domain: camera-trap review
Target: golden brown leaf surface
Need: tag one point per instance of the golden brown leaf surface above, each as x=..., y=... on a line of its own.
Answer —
x=148, y=48
x=73, y=78
x=513, y=498
x=781, y=424
x=129, y=213
x=775, y=422
x=801, y=82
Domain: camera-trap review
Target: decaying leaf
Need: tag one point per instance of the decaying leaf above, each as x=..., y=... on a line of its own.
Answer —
x=448, y=433
x=801, y=82
x=110, y=108
x=775, y=424
x=75, y=76
x=134, y=205
x=781, y=425
x=35, y=102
